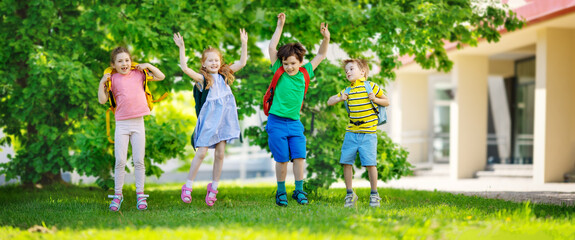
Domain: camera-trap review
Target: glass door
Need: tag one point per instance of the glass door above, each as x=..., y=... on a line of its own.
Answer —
x=524, y=112
x=442, y=97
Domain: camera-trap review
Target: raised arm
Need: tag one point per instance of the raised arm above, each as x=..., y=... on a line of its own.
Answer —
x=322, y=48
x=102, y=93
x=276, y=38
x=179, y=40
x=244, y=57
x=158, y=75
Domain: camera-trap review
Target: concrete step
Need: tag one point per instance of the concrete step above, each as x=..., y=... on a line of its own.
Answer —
x=506, y=170
x=509, y=167
x=431, y=170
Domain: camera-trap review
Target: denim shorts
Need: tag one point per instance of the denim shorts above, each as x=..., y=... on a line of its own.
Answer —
x=363, y=143
x=285, y=138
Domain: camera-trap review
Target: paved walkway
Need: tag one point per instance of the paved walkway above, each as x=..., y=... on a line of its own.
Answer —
x=511, y=189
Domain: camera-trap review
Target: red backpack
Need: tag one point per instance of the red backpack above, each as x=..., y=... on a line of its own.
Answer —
x=269, y=96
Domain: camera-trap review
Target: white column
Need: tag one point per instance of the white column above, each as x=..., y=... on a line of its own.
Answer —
x=468, y=130
x=409, y=114
x=554, y=138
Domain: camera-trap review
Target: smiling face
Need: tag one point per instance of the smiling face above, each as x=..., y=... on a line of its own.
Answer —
x=211, y=61
x=291, y=65
x=122, y=63
x=353, y=71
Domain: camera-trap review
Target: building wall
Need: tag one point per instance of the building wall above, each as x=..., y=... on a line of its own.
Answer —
x=410, y=115
x=468, y=132
x=554, y=98
x=503, y=68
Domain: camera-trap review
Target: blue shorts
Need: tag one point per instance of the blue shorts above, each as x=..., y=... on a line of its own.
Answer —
x=285, y=138
x=363, y=143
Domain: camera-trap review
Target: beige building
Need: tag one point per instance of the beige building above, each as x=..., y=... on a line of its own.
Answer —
x=508, y=105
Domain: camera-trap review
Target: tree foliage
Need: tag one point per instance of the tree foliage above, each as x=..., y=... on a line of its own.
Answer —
x=54, y=53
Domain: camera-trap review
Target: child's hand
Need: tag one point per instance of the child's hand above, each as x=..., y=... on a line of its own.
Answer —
x=281, y=19
x=143, y=66
x=105, y=77
x=371, y=96
x=343, y=96
x=179, y=40
x=324, y=31
x=243, y=35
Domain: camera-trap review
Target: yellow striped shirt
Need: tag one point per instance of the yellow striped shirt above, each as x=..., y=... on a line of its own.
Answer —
x=360, y=108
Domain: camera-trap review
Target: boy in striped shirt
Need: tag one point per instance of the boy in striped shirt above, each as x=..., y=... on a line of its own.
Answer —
x=360, y=136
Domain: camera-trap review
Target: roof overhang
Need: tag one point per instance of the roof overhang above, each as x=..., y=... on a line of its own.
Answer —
x=539, y=14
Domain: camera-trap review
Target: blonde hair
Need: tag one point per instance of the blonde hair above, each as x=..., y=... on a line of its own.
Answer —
x=361, y=63
x=224, y=69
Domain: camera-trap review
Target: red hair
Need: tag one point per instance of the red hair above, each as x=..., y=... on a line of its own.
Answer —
x=224, y=69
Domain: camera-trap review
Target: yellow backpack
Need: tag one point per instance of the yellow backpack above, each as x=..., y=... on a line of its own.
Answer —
x=149, y=97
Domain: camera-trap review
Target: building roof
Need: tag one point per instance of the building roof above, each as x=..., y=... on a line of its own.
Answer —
x=533, y=11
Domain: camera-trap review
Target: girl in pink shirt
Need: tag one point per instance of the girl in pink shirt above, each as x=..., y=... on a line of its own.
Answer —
x=131, y=107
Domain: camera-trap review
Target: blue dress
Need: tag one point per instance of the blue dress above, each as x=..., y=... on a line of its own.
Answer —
x=218, y=119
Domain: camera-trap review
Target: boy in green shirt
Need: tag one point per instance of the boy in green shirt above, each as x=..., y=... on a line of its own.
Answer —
x=285, y=131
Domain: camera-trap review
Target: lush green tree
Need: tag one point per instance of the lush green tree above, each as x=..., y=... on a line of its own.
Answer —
x=55, y=52
x=380, y=31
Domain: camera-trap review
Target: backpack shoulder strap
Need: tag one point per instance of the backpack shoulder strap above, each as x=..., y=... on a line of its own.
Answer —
x=277, y=76
x=203, y=83
x=369, y=90
x=368, y=87
x=147, y=76
x=108, y=89
x=306, y=76
x=347, y=90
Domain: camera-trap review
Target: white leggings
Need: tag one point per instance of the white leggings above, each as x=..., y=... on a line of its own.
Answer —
x=130, y=130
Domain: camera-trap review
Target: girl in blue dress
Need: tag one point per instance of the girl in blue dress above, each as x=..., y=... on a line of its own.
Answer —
x=217, y=121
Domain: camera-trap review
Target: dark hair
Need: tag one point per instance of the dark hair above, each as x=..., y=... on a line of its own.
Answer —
x=361, y=63
x=117, y=51
x=291, y=49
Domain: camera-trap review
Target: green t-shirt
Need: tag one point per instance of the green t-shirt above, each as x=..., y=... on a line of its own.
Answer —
x=289, y=92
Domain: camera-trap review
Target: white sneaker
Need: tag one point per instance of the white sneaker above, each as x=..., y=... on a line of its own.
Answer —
x=350, y=200
x=374, y=200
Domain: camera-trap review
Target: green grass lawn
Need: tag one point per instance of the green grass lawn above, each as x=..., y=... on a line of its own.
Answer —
x=249, y=212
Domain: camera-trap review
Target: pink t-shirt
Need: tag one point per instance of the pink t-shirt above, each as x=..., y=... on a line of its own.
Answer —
x=129, y=95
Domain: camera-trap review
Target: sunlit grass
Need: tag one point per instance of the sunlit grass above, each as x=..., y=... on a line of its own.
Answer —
x=249, y=212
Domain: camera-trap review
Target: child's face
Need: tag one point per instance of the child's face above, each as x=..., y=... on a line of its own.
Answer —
x=123, y=63
x=212, y=62
x=291, y=64
x=353, y=72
